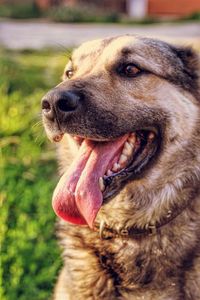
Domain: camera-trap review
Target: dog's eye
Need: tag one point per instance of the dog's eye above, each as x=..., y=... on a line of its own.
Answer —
x=130, y=70
x=69, y=73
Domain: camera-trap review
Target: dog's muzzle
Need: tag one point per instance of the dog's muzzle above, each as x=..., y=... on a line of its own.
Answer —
x=59, y=103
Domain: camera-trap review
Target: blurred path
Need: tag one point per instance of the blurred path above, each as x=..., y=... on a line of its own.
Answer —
x=37, y=34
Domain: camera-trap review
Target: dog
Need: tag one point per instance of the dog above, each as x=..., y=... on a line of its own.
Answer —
x=126, y=119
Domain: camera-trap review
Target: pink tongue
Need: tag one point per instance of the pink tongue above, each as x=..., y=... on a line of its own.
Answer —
x=77, y=197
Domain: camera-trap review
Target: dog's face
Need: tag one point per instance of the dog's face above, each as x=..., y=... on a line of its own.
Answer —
x=128, y=103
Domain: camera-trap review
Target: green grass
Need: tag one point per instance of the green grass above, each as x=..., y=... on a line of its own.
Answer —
x=30, y=257
x=82, y=14
x=20, y=10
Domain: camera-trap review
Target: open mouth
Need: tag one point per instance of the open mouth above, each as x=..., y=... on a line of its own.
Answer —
x=100, y=171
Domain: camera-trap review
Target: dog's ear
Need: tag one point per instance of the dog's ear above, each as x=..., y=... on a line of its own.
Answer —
x=190, y=62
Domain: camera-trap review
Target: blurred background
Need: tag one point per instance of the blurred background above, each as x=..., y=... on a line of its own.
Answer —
x=36, y=38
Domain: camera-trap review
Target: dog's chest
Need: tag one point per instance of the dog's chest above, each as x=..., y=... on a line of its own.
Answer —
x=119, y=268
x=129, y=262
x=138, y=269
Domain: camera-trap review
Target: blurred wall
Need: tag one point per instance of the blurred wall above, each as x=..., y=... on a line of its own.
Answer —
x=173, y=7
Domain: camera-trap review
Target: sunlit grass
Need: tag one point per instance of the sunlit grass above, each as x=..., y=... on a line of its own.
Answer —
x=30, y=257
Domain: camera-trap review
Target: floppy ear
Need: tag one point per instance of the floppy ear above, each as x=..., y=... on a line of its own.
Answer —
x=190, y=61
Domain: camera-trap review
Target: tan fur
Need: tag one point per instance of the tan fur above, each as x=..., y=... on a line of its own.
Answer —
x=165, y=265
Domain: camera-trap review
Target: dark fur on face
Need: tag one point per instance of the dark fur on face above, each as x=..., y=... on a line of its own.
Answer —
x=163, y=96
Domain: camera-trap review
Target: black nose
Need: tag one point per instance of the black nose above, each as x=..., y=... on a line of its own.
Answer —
x=60, y=102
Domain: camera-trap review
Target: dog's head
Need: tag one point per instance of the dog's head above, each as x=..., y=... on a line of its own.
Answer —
x=130, y=104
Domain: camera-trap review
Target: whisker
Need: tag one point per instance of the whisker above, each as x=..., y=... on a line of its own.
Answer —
x=37, y=124
x=40, y=137
x=64, y=51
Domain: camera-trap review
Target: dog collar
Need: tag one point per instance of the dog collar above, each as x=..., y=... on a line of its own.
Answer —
x=106, y=232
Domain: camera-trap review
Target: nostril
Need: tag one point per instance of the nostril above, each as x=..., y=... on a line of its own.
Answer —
x=64, y=105
x=46, y=106
x=68, y=102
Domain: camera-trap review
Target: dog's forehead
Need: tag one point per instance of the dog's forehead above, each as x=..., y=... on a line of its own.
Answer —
x=146, y=50
x=104, y=47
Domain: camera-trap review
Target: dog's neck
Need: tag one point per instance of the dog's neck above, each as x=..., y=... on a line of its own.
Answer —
x=106, y=232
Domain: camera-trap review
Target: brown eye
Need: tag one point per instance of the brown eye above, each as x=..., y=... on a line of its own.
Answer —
x=130, y=70
x=69, y=73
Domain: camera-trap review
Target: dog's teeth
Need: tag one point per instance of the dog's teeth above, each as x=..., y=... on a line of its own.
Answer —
x=133, y=134
x=116, y=167
x=109, y=173
x=123, y=158
x=128, y=149
x=132, y=139
x=151, y=136
x=101, y=184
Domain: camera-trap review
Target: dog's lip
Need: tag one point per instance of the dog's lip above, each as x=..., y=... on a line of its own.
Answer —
x=57, y=137
x=80, y=138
